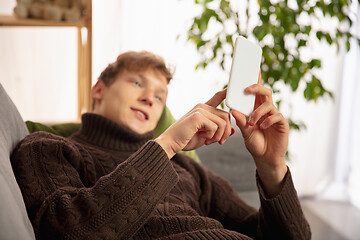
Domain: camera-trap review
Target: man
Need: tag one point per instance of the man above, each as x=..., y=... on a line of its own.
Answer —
x=111, y=181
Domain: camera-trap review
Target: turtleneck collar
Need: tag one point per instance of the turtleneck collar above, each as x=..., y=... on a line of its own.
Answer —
x=105, y=133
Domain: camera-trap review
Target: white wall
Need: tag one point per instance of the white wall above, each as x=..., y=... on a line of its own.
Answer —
x=155, y=26
x=39, y=60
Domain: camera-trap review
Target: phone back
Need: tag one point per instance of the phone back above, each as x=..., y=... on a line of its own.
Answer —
x=244, y=72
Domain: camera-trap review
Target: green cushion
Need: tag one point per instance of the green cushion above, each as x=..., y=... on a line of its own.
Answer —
x=66, y=129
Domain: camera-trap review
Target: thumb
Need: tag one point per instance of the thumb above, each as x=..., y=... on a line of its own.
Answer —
x=241, y=122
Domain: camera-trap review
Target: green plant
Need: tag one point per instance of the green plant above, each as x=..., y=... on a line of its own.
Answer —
x=284, y=29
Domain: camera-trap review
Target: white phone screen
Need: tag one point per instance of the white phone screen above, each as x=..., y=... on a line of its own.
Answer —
x=244, y=72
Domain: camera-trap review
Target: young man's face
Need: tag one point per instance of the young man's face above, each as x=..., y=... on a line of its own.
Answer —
x=134, y=100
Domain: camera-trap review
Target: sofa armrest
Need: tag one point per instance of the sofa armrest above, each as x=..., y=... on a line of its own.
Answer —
x=14, y=222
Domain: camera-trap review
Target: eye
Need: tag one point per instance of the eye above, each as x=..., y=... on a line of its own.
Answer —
x=137, y=83
x=158, y=98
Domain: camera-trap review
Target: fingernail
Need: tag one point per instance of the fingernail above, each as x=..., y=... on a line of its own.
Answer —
x=251, y=121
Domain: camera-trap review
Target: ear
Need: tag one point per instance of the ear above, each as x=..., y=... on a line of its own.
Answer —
x=97, y=90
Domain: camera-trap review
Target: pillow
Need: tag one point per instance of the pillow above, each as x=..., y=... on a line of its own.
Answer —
x=66, y=129
x=14, y=222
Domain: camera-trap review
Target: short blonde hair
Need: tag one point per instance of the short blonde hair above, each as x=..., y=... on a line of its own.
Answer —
x=135, y=62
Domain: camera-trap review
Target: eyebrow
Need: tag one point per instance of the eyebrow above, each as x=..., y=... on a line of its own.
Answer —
x=161, y=90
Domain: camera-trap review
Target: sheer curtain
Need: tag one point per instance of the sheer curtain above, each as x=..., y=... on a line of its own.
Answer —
x=347, y=158
x=353, y=127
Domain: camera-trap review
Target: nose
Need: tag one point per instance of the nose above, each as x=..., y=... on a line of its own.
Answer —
x=147, y=97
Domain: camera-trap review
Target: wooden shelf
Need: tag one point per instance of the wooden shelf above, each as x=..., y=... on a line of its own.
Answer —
x=13, y=21
x=84, y=49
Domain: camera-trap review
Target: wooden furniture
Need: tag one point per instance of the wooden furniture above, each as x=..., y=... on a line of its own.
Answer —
x=84, y=49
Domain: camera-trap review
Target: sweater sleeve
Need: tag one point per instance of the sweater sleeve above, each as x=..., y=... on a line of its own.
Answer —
x=280, y=217
x=59, y=204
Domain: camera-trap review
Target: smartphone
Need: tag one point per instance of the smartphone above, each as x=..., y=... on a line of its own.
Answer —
x=244, y=72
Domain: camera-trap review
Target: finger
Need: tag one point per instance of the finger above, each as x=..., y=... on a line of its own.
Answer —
x=225, y=116
x=259, y=90
x=217, y=98
x=259, y=78
x=223, y=127
x=206, y=127
x=229, y=131
x=258, y=99
x=239, y=117
x=277, y=118
x=201, y=116
x=261, y=112
x=218, y=112
x=242, y=123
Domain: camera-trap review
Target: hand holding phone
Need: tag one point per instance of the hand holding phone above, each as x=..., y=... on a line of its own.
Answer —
x=244, y=72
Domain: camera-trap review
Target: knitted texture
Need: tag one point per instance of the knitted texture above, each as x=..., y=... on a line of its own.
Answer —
x=105, y=182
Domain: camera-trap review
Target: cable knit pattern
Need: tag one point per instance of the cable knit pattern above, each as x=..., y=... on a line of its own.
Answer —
x=105, y=182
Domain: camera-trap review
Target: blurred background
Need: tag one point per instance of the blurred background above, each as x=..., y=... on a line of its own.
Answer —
x=38, y=68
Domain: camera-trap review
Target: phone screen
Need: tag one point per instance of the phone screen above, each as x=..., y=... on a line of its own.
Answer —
x=244, y=72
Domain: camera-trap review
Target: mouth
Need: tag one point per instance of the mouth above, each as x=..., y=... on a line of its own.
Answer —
x=141, y=114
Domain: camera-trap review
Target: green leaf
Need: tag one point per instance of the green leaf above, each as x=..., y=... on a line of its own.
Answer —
x=307, y=30
x=294, y=81
x=328, y=38
x=229, y=39
x=308, y=92
x=314, y=63
x=286, y=73
x=287, y=156
x=222, y=105
x=203, y=21
x=201, y=65
x=314, y=89
x=222, y=63
x=217, y=46
x=319, y=35
x=296, y=125
x=278, y=103
x=302, y=43
x=225, y=7
x=260, y=32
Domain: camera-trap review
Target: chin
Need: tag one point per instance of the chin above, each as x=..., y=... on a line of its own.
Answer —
x=138, y=130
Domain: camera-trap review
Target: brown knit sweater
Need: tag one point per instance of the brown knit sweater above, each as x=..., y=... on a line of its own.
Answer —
x=106, y=182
